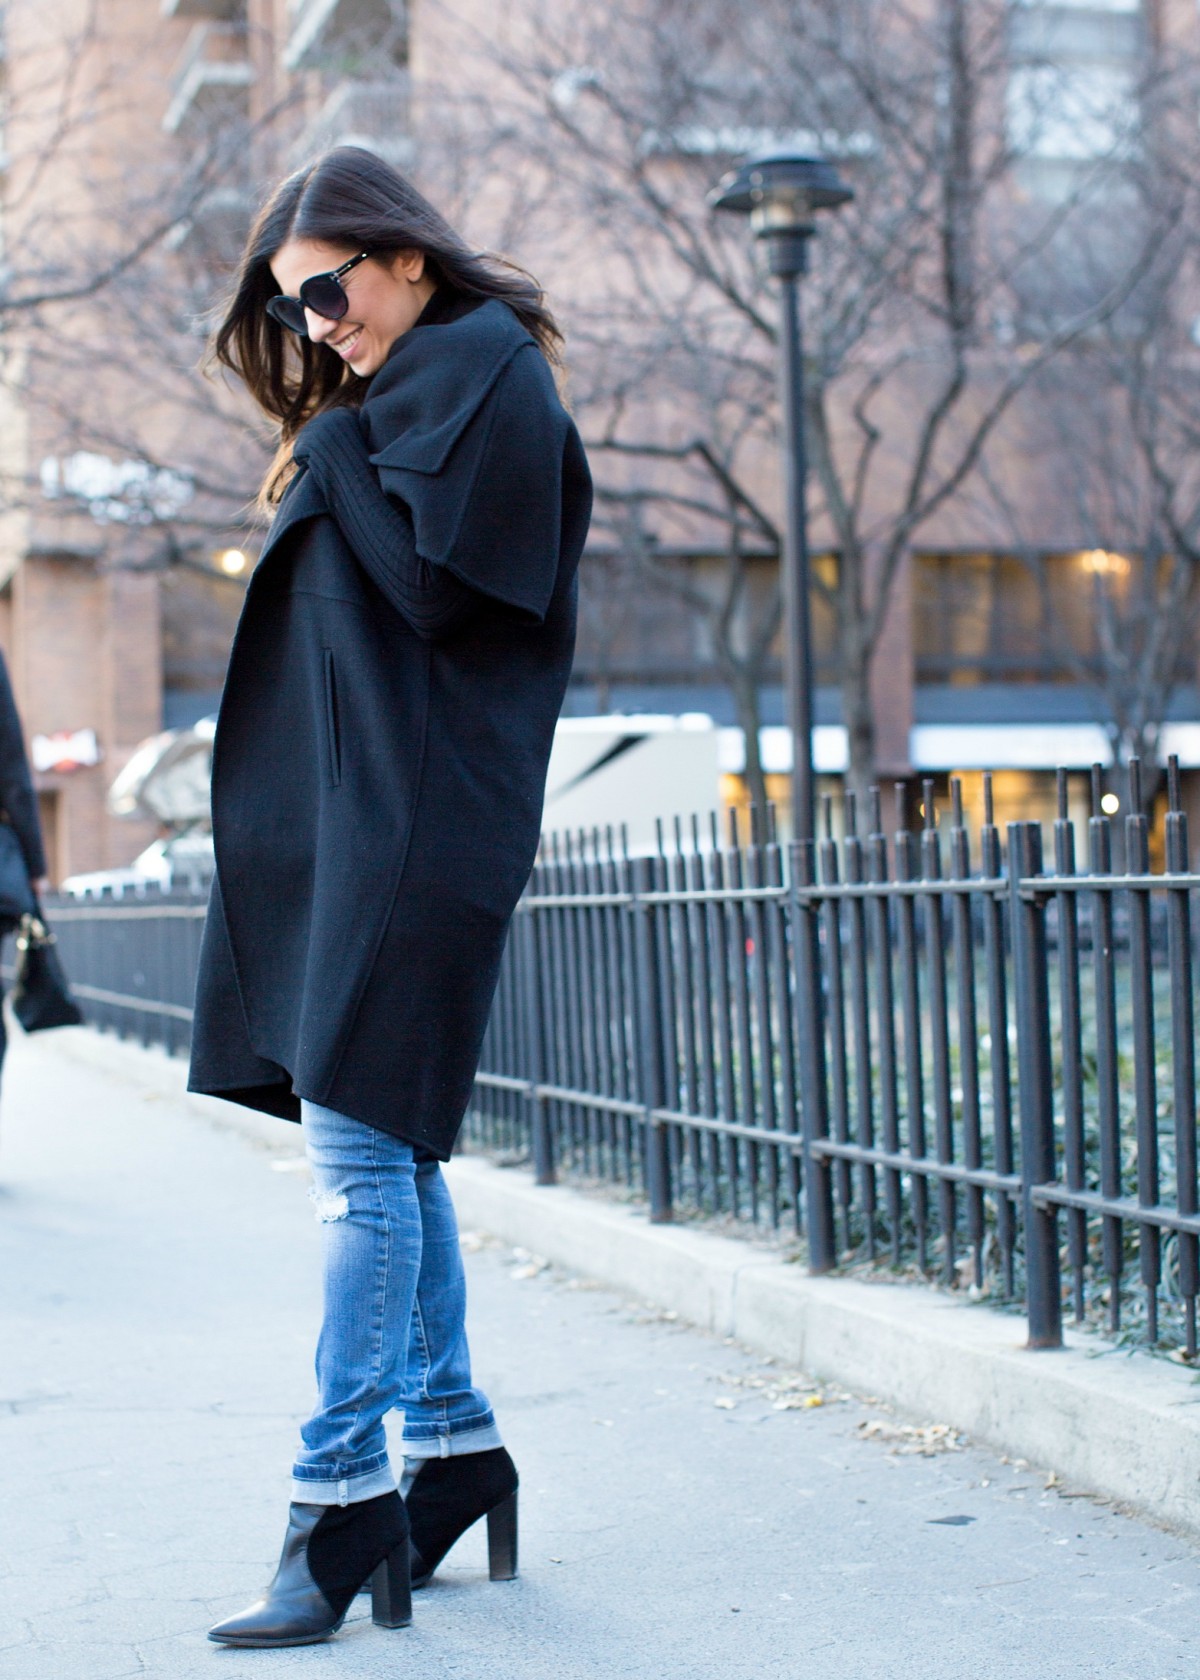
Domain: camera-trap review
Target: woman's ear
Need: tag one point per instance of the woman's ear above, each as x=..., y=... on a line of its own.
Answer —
x=408, y=265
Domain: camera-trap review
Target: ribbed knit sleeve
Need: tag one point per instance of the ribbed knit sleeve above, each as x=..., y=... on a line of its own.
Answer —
x=378, y=530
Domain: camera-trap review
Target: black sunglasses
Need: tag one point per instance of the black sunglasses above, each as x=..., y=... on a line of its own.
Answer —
x=324, y=294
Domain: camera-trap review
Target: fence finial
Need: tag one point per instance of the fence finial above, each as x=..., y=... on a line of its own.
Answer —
x=1174, y=790
x=1061, y=784
x=1135, y=787
x=1097, y=790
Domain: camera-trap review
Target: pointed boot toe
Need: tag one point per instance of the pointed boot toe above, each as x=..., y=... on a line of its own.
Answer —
x=329, y=1552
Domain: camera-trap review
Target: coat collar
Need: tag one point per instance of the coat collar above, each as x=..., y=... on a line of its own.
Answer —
x=301, y=500
x=420, y=401
x=433, y=382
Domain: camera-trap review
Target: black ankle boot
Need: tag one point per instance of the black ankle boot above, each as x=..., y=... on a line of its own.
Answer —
x=328, y=1553
x=445, y=1496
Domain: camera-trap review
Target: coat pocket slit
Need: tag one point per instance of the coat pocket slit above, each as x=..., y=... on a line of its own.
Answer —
x=332, y=741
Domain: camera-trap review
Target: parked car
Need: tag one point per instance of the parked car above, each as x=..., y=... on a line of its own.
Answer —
x=167, y=779
x=179, y=862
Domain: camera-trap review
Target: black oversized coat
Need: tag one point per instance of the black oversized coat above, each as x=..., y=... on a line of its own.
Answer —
x=377, y=792
x=17, y=797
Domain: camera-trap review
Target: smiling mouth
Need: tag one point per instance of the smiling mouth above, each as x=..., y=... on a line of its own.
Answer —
x=344, y=346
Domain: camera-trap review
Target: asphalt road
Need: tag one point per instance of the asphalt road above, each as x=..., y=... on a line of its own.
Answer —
x=689, y=1512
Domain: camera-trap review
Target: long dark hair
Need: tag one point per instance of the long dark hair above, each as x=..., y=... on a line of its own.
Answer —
x=352, y=198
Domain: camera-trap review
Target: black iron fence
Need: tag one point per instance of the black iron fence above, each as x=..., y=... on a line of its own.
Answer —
x=132, y=960
x=976, y=1062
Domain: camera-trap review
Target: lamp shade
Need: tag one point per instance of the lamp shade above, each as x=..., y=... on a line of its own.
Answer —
x=780, y=191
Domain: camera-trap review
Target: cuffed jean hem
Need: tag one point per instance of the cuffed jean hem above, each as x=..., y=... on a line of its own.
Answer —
x=453, y=1444
x=350, y=1490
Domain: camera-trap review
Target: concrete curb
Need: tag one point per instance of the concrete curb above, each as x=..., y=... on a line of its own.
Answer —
x=1109, y=1422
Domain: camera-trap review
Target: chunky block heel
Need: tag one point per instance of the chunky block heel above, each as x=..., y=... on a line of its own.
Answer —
x=391, y=1591
x=502, y=1540
x=446, y=1496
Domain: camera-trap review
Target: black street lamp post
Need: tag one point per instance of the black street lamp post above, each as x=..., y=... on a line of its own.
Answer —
x=781, y=193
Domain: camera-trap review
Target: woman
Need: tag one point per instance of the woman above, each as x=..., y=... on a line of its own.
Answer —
x=378, y=777
x=19, y=810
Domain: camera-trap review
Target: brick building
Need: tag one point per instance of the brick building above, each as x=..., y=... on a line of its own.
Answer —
x=125, y=540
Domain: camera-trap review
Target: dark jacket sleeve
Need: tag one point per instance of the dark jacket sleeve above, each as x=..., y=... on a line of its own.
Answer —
x=334, y=451
x=17, y=796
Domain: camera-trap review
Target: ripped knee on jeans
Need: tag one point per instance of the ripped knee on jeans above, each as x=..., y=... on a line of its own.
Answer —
x=329, y=1205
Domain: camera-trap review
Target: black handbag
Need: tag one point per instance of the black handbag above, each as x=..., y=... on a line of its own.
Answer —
x=16, y=893
x=41, y=997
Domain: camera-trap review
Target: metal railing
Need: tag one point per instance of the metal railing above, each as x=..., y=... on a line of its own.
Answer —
x=908, y=1054
x=132, y=960
x=979, y=1065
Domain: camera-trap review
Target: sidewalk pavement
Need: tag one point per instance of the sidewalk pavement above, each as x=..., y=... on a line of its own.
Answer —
x=686, y=1511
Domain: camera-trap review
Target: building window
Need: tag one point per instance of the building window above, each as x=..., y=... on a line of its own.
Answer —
x=982, y=618
x=644, y=626
x=1071, y=91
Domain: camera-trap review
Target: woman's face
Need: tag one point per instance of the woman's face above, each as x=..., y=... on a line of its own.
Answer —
x=385, y=298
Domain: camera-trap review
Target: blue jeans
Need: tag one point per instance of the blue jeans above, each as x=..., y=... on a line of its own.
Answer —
x=394, y=1332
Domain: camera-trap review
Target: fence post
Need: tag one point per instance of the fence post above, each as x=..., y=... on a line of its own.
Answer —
x=541, y=1136
x=810, y=1043
x=648, y=1028
x=1183, y=1045
x=1034, y=1064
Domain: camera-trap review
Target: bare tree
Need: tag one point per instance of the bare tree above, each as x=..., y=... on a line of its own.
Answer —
x=1120, y=418
x=1118, y=415
x=73, y=225
x=119, y=241
x=932, y=308
x=739, y=610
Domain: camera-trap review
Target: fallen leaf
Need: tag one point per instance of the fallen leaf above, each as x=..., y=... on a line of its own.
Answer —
x=921, y=1440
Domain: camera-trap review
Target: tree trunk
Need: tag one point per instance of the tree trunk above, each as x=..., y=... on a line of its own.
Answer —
x=859, y=722
x=745, y=690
